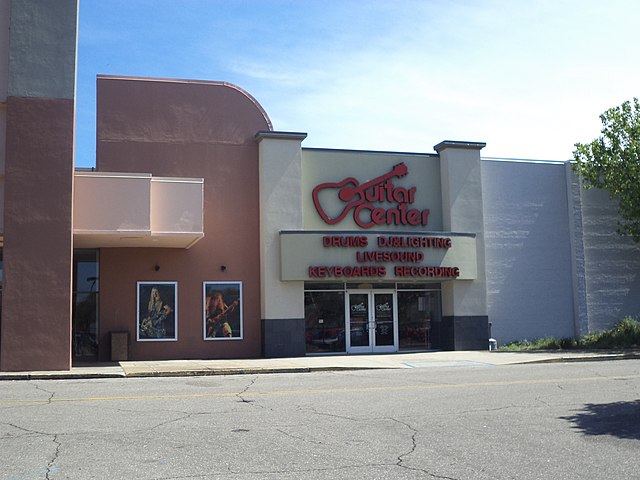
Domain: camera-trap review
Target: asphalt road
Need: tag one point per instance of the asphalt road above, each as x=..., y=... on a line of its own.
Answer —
x=552, y=421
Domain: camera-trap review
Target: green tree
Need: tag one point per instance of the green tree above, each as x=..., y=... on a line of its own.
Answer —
x=612, y=162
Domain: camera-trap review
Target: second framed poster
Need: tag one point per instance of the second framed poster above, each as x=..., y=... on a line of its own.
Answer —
x=222, y=306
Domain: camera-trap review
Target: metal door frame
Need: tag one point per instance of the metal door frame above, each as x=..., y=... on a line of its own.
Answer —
x=372, y=347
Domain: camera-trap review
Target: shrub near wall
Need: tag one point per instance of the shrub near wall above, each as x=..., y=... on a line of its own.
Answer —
x=625, y=334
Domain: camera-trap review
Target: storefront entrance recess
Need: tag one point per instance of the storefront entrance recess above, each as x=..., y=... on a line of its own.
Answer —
x=371, y=321
x=367, y=318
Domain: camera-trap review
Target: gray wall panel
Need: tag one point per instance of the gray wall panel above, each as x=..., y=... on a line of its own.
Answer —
x=612, y=263
x=528, y=252
x=42, y=56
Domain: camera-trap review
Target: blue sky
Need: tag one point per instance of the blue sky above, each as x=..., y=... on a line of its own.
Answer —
x=529, y=78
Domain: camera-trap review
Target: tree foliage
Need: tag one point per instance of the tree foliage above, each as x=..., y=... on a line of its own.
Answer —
x=612, y=162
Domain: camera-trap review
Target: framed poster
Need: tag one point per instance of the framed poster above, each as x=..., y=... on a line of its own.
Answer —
x=157, y=311
x=222, y=307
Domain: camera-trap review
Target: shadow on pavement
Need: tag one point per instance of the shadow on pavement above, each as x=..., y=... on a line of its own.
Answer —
x=619, y=419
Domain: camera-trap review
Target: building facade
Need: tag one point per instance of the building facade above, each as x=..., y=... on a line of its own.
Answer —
x=205, y=233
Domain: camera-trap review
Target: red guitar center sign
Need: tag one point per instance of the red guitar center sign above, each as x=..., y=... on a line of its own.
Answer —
x=367, y=201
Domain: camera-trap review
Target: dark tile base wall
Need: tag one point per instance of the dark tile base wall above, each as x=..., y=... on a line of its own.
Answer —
x=465, y=332
x=283, y=337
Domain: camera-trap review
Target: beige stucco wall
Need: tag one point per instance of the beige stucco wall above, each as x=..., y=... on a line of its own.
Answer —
x=461, y=178
x=280, y=208
x=449, y=185
x=334, y=166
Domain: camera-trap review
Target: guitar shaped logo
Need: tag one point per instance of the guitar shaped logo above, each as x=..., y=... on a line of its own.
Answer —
x=351, y=192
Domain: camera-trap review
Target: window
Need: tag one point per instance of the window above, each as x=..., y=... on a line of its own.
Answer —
x=86, y=288
x=324, y=320
x=419, y=316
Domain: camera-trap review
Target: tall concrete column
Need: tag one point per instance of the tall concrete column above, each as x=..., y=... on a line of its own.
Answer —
x=282, y=303
x=464, y=302
x=38, y=233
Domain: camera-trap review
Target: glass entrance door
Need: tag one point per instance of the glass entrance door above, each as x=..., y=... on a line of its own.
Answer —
x=372, y=322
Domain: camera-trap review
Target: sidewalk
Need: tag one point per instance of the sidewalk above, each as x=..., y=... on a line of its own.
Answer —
x=457, y=359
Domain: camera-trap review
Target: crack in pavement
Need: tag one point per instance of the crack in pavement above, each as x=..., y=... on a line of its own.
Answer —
x=159, y=411
x=414, y=445
x=56, y=454
x=413, y=442
x=324, y=414
x=54, y=438
x=167, y=422
x=38, y=387
x=250, y=384
x=432, y=475
x=295, y=437
x=184, y=416
x=399, y=463
x=485, y=410
x=30, y=432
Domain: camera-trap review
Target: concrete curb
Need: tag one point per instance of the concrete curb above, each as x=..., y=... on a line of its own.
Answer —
x=222, y=371
x=591, y=358
x=249, y=371
x=59, y=376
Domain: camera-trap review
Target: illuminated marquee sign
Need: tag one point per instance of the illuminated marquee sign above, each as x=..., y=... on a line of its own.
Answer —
x=369, y=202
x=399, y=249
x=393, y=256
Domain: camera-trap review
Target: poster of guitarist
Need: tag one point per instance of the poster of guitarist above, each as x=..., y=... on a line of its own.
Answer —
x=222, y=310
x=157, y=315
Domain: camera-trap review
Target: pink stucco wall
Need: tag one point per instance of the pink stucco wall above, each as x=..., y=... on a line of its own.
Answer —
x=36, y=310
x=184, y=129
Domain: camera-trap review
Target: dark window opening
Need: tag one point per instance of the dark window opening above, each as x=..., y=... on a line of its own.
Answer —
x=86, y=292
